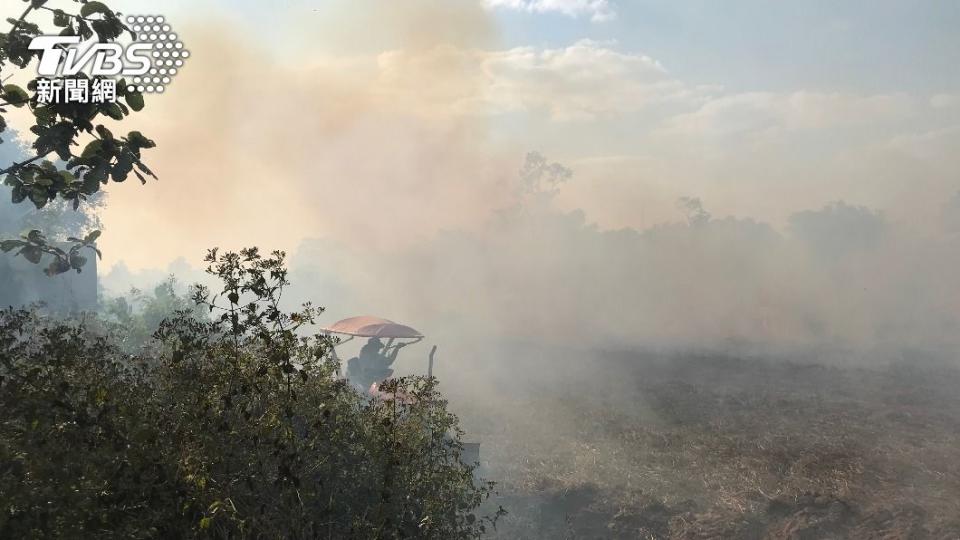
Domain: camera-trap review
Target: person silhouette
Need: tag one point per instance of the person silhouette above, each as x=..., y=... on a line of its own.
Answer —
x=373, y=363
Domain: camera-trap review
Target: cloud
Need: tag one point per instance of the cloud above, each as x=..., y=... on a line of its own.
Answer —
x=592, y=80
x=931, y=144
x=945, y=101
x=597, y=10
x=583, y=81
x=770, y=112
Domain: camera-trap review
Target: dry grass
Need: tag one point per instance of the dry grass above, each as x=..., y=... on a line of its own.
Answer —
x=727, y=448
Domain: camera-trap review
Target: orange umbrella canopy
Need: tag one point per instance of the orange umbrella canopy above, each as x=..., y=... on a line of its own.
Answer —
x=367, y=326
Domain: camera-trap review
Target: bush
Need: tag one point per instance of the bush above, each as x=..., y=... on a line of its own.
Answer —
x=236, y=426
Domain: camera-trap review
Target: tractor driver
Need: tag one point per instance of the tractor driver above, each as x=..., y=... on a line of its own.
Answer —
x=373, y=363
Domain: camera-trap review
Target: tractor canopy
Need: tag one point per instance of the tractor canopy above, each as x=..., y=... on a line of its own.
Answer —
x=368, y=326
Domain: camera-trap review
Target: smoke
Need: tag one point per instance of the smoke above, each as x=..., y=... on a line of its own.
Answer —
x=840, y=280
x=386, y=163
x=260, y=150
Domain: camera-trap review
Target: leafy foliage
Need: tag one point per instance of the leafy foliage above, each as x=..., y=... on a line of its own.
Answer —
x=137, y=315
x=33, y=246
x=237, y=426
x=57, y=221
x=59, y=127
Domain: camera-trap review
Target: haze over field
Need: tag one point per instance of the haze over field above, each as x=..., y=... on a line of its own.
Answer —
x=380, y=145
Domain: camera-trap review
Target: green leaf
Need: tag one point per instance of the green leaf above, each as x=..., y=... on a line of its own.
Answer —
x=143, y=168
x=14, y=95
x=122, y=169
x=91, y=184
x=84, y=29
x=113, y=111
x=67, y=177
x=60, y=18
x=18, y=194
x=58, y=266
x=98, y=173
x=94, y=7
x=137, y=139
x=8, y=245
x=38, y=196
x=44, y=114
x=92, y=149
x=104, y=133
x=92, y=237
x=31, y=253
x=77, y=261
x=134, y=100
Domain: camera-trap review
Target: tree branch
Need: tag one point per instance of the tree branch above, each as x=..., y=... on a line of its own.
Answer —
x=16, y=166
x=14, y=103
x=23, y=16
x=72, y=15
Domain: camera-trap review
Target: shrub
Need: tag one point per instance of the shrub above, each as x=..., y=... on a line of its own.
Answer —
x=235, y=426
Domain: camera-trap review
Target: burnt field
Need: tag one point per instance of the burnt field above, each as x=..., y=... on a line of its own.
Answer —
x=719, y=447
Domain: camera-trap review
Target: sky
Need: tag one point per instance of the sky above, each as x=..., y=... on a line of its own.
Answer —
x=382, y=123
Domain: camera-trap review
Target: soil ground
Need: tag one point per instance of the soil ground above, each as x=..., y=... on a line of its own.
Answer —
x=716, y=447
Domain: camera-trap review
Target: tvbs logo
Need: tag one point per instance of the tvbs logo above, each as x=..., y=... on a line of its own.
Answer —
x=146, y=65
x=66, y=55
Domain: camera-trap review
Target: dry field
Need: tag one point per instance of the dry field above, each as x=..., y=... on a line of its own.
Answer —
x=717, y=447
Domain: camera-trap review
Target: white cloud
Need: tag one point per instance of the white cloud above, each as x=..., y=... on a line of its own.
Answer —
x=597, y=10
x=583, y=81
x=592, y=80
x=945, y=101
x=759, y=113
x=930, y=144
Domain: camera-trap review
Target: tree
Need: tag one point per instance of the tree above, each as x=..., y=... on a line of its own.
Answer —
x=540, y=178
x=60, y=127
x=696, y=214
x=839, y=228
